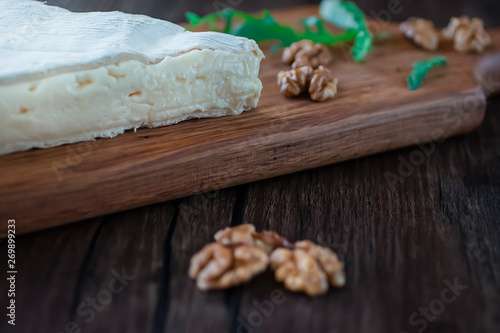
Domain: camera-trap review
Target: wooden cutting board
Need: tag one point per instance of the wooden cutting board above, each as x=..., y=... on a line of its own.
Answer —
x=373, y=112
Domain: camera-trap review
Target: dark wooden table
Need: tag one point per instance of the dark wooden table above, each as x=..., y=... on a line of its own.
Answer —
x=403, y=245
x=421, y=255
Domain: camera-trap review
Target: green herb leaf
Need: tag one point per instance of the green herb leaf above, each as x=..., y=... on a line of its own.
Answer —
x=347, y=15
x=343, y=14
x=264, y=27
x=362, y=45
x=420, y=70
x=321, y=35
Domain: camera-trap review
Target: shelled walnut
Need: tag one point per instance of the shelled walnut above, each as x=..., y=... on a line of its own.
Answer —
x=467, y=35
x=294, y=81
x=270, y=240
x=245, y=234
x=299, y=271
x=421, y=32
x=306, y=53
x=328, y=260
x=308, y=267
x=241, y=234
x=240, y=253
x=322, y=85
x=289, y=53
x=218, y=267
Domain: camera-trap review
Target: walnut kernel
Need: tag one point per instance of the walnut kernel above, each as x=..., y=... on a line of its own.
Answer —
x=421, y=32
x=270, y=240
x=467, y=35
x=306, y=53
x=328, y=260
x=240, y=253
x=245, y=234
x=299, y=271
x=289, y=53
x=220, y=267
x=322, y=85
x=308, y=267
x=239, y=235
x=294, y=81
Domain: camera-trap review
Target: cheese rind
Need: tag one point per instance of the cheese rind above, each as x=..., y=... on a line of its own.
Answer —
x=38, y=40
x=65, y=106
x=106, y=101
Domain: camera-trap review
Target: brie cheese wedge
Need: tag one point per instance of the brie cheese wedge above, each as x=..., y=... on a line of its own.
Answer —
x=69, y=77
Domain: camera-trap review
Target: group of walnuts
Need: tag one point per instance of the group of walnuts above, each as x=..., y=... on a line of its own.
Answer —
x=309, y=72
x=240, y=253
x=468, y=35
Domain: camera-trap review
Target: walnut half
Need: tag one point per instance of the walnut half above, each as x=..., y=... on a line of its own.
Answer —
x=467, y=35
x=306, y=53
x=421, y=32
x=240, y=253
x=289, y=53
x=323, y=85
x=245, y=234
x=320, y=83
x=328, y=260
x=308, y=267
x=239, y=235
x=295, y=81
x=219, y=267
x=299, y=271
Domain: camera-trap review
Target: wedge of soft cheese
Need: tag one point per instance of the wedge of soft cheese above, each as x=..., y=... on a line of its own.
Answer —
x=68, y=77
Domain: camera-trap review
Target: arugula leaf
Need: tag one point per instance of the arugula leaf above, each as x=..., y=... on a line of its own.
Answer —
x=347, y=15
x=321, y=35
x=343, y=14
x=263, y=27
x=420, y=70
x=362, y=45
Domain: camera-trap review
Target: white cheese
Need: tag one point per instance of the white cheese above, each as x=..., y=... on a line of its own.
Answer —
x=68, y=77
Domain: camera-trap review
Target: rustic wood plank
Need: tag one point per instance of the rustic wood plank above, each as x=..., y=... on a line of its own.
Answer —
x=136, y=241
x=199, y=217
x=399, y=244
x=374, y=111
x=49, y=267
x=489, y=10
x=399, y=241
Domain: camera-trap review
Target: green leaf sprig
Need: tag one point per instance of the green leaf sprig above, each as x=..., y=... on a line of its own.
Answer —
x=263, y=27
x=348, y=16
x=421, y=69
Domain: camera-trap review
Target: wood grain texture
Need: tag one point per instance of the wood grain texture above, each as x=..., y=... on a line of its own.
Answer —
x=173, y=10
x=373, y=112
x=399, y=243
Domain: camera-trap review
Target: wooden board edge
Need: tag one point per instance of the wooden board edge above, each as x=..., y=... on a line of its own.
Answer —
x=297, y=151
